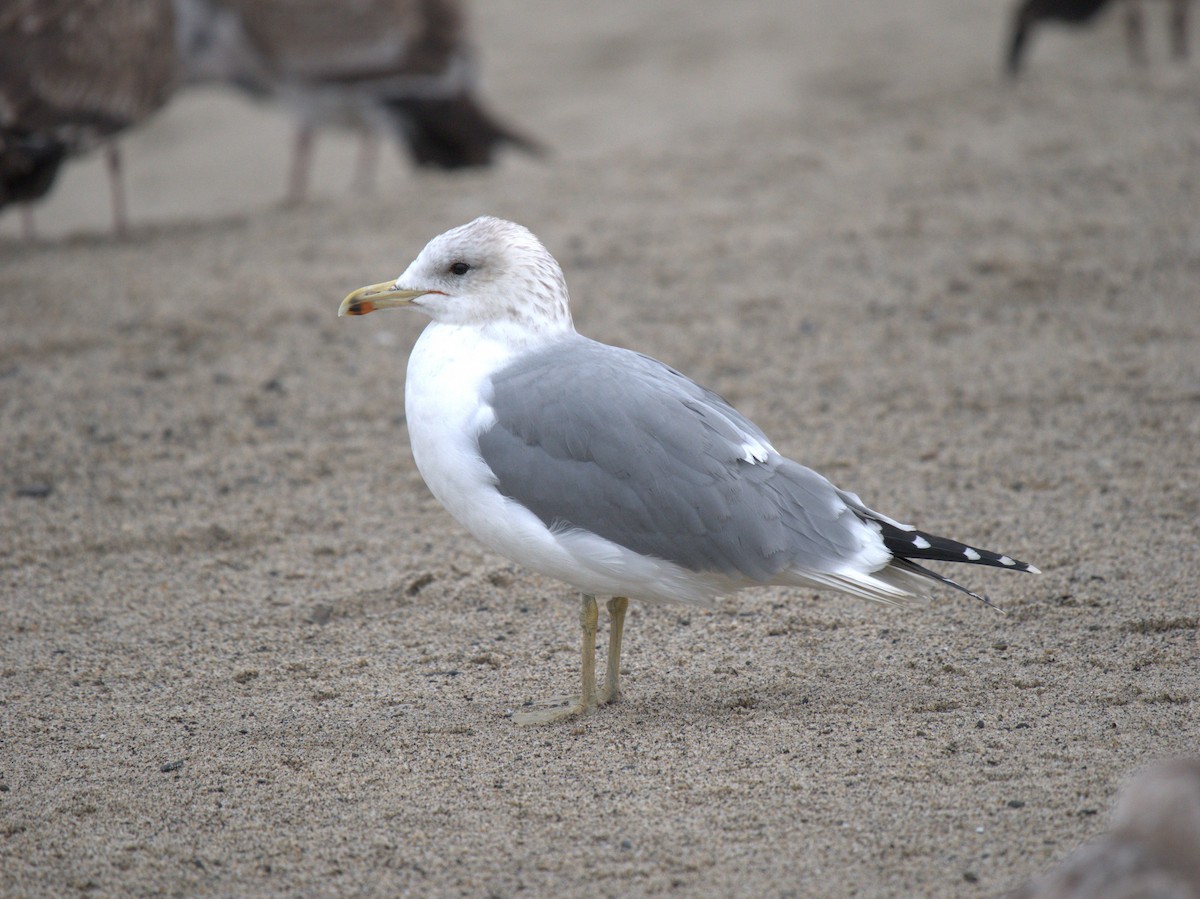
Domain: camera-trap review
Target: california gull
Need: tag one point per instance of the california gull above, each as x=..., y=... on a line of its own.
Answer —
x=609, y=470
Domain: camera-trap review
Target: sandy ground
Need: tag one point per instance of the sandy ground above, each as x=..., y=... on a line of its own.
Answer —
x=244, y=652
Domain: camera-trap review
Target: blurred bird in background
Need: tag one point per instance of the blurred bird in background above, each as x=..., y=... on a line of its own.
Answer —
x=1028, y=14
x=73, y=74
x=403, y=68
x=1152, y=851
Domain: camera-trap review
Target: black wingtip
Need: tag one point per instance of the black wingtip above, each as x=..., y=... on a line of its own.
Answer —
x=909, y=565
x=914, y=544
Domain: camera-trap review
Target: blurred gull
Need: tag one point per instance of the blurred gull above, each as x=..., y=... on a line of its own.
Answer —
x=404, y=68
x=73, y=73
x=608, y=470
x=1152, y=851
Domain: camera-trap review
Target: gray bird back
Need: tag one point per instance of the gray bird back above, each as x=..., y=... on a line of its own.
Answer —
x=615, y=443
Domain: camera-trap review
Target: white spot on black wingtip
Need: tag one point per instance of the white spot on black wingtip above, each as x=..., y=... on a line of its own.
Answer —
x=921, y=543
x=971, y=554
x=1006, y=561
x=1032, y=569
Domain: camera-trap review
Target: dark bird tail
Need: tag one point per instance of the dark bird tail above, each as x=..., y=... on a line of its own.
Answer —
x=909, y=545
x=454, y=132
x=28, y=166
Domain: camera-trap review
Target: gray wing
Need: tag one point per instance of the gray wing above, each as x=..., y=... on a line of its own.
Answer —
x=609, y=441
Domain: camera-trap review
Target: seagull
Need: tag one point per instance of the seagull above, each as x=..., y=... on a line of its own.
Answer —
x=65, y=88
x=405, y=68
x=608, y=470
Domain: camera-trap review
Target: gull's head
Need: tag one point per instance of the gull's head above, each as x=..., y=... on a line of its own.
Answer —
x=486, y=273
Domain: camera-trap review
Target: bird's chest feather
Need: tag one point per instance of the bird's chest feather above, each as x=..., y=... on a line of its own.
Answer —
x=447, y=407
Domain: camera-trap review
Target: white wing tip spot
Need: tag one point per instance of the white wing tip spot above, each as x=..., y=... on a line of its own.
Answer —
x=1005, y=560
x=972, y=555
x=921, y=543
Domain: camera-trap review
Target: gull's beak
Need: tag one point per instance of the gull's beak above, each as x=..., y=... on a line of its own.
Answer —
x=377, y=296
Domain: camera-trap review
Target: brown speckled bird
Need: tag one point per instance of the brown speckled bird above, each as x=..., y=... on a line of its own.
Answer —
x=399, y=67
x=72, y=74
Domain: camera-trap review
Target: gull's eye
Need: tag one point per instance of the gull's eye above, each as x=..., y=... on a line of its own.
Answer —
x=459, y=268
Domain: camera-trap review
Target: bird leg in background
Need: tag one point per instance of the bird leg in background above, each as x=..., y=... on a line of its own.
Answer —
x=28, y=225
x=116, y=185
x=560, y=708
x=366, y=167
x=1135, y=33
x=616, y=627
x=1179, y=28
x=301, y=160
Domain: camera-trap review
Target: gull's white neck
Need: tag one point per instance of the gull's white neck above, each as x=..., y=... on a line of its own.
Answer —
x=447, y=401
x=453, y=356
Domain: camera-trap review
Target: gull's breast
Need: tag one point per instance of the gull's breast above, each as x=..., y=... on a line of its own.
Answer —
x=447, y=407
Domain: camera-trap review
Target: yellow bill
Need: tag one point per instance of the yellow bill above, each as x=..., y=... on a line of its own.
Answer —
x=377, y=296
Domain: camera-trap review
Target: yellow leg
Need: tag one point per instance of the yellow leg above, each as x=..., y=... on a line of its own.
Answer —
x=560, y=708
x=589, y=617
x=616, y=628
